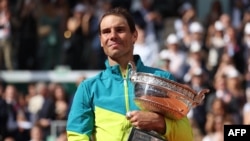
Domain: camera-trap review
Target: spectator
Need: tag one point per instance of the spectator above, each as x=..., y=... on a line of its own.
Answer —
x=217, y=109
x=49, y=52
x=42, y=108
x=3, y=114
x=10, y=97
x=218, y=91
x=216, y=129
x=197, y=115
x=247, y=74
x=148, y=51
x=182, y=23
x=47, y=111
x=225, y=62
x=31, y=91
x=73, y=43
x=6, y=48
x=35, y=102
x=235, y=88
x=36, y=133
x=28, y=36
x=152, y=19
x=237, y=13
x=61, y=103
x=23, y=118
x=90, y=28
x=246, y=47
x=226, y=21
x=232, y=98
x=245, y=19
x=9, y=139
x=196, y=34
x=175, y=55
x=215, y=45
x=195, y=59
x=214, y=14
x=232, y=47
x=246, y=108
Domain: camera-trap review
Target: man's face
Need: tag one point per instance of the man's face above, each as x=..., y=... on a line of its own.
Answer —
x=116, y=37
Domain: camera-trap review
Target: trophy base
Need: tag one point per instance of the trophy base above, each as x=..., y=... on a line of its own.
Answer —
x=140, y=135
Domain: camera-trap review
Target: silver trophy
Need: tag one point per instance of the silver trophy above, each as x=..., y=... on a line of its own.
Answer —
x=164, y=96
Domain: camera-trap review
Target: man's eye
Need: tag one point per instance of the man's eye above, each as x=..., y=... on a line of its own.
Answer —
x=119, y=30
x=105, y=31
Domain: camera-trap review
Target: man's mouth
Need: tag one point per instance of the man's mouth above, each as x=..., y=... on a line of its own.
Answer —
x=114, y=45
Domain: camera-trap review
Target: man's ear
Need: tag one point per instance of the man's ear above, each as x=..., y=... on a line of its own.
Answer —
x=135, y=36
x=100, y=41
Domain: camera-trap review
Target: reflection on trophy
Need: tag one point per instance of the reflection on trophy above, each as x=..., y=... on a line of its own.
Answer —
x=167, y=97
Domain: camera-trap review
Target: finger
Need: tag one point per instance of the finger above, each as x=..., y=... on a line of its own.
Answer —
x=133, y=119
x=128, y=115
x=135, y=124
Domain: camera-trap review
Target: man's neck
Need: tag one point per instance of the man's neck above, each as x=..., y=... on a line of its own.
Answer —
x=123, y=62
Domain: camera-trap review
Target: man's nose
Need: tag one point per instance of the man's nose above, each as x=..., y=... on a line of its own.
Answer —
x=113, y=34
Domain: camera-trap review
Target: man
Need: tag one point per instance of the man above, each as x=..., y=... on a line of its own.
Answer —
x=101, y=103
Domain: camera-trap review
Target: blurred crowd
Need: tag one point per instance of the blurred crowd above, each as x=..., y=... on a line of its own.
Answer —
x=29, y=115
x=212, y=53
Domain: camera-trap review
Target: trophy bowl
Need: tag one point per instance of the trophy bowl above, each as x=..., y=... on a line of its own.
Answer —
x=164, y=96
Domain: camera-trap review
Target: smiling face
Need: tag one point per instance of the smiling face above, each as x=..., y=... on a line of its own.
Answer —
x=116, y=38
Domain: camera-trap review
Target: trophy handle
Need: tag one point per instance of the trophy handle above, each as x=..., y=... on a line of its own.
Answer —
x=200, y=97
x=132, y=70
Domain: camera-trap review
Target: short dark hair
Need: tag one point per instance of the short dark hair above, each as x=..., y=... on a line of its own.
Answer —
x=120, y=11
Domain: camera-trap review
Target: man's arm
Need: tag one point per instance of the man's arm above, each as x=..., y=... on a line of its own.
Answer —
x=80, y=121
x=173, y=130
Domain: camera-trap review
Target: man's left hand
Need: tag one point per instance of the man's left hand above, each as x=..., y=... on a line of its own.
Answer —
x=147, y=121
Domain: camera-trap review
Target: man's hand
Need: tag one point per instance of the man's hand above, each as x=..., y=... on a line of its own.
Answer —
x=147, y=121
